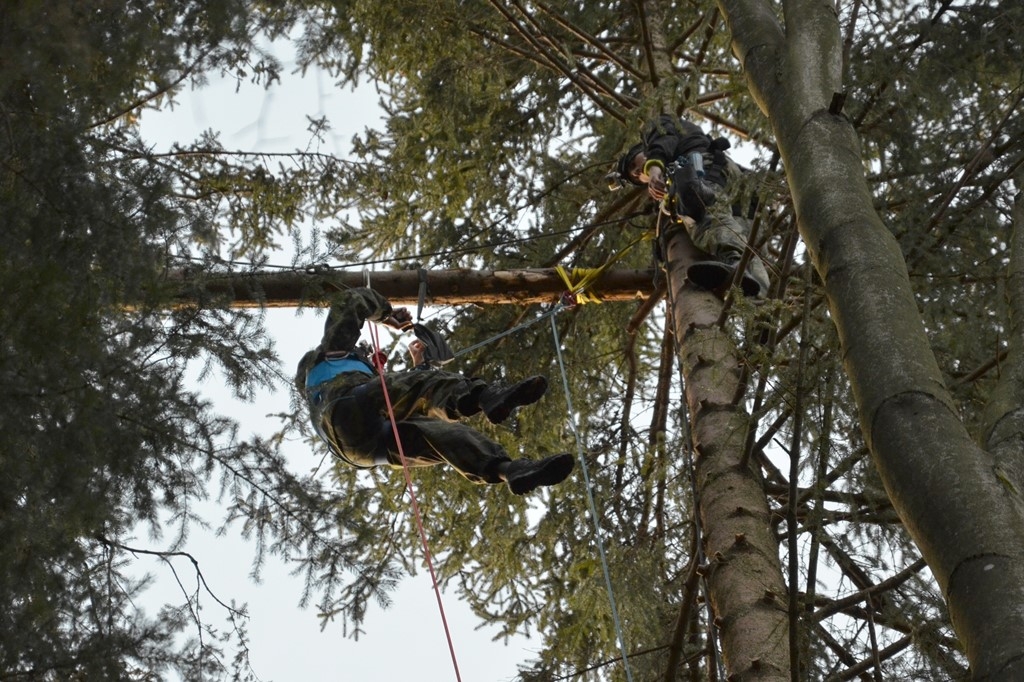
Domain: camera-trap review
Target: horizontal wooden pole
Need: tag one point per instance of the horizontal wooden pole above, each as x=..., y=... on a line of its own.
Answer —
x=402, y=287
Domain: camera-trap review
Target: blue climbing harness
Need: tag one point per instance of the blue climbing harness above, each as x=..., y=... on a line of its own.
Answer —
x=328, y=368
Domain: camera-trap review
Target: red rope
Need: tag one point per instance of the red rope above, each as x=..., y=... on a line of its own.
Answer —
x=415, y=503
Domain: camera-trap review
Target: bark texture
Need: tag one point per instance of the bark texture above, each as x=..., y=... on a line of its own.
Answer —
x=743, y=570
x=963, y=514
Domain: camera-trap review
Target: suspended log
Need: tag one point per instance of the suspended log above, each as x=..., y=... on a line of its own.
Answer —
x=402, y=287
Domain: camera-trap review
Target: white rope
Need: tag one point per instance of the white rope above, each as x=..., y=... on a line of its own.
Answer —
x=590, y=502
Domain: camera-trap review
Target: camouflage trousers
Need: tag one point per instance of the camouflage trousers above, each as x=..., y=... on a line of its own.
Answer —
x=721, y=233
x=353, y=416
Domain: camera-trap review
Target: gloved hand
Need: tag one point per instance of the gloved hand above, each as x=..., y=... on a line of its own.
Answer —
x=400, y=319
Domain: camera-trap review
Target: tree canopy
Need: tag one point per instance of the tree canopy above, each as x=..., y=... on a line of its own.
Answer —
x=881, y=143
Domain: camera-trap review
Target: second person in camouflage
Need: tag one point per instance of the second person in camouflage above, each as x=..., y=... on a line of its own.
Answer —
x=348, y=409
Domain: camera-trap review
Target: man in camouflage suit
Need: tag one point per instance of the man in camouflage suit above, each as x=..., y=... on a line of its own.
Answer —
x=348, y=409
x=691, y=174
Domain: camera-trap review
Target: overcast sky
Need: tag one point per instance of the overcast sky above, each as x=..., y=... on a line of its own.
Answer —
x=406, y=641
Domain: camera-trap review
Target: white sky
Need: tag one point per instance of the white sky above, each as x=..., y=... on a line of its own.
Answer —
x=406, y=641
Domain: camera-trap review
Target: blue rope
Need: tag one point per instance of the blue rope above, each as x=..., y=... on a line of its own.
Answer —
x=554, y=309
x=590, y=502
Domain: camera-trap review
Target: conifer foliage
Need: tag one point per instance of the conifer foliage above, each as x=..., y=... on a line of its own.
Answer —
x=860, y=420
x=926, y=133
x=104, y=439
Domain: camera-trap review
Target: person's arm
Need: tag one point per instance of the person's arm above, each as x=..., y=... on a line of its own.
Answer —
x=349, y=310
x=660, y=139
x=667, y=138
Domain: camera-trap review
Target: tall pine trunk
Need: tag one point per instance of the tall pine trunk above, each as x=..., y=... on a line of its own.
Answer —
x=964, y=514
x=743, y=570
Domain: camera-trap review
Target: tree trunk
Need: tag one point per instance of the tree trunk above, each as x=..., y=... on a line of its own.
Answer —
x=743, y=570
x=967, y=520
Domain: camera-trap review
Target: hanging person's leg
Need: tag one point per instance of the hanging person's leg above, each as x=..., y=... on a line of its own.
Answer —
x=421, y=391
x=427, y=441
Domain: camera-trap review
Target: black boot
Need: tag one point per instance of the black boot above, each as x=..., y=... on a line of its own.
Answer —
x=524, y=475
x=715, y=275
x=748, y=283
x=498, y=402
x=467, y=405
x=712, y=275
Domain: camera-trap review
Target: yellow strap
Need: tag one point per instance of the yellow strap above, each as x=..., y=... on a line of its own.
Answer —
x=581, y=278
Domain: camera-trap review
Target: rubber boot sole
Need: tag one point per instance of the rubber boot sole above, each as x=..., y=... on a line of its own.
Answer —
x=548, y=471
